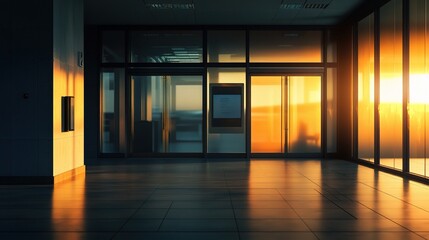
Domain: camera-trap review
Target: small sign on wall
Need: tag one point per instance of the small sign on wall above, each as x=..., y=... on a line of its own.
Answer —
x=67, y=113
x=80, y=59
x=226, y=108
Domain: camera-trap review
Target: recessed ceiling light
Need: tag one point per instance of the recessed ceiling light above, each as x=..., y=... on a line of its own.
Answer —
x=316, y=5
x=304, y=4
x=182, y=6
x=291, y=5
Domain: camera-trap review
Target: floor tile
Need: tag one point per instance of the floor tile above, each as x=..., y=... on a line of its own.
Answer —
x=323, y=213
x=271, y=225
x=146, y=213
x=44, y=225
x=157, y=204
x=276, y=236
x=259, y=204
x=362, y=225
x=368, y=235
x=272, y=213
x=140, y=225
x=177, y=236
x=207, y=225
x=215, y=199
x=57, y=235
x=202, y=213
x=201, y=204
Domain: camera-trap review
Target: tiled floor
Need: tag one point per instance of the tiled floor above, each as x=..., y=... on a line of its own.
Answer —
x=222, y=200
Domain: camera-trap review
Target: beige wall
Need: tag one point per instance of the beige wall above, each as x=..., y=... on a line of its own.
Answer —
x=67, y=81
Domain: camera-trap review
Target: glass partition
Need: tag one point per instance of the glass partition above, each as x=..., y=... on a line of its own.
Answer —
x=268, y=127
x=390, y=108
x=166, y=114
x=285, y=46
x=304, y=115
x=418, y=108
x=113, y=50
x=286, y=114
x=366, y=88
x=226, y=46
x=331, y=111
x=112, y=117
x=166, y=47
x=226, y=142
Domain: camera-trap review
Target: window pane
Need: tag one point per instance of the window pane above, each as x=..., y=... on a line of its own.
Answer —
x=226, y=142
x=166, y=114
x=304, y=115
x=267, y=114
x=418, y=108
x=285, y=46
x=331, y=48
x=112, y=132
x=166, y=47
x=113, y=47
x=331, y=110
x=366, y=89
x=390, y=109
x=226, y=46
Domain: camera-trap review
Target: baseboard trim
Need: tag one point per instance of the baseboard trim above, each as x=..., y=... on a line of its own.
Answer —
x=44, y=180
x=70, y=175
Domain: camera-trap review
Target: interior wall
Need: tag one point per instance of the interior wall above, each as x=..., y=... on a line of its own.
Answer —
x=68, y=80
x=345, y=92
x=25, y=96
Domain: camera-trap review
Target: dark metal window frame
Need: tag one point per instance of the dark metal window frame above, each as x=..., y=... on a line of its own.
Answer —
x=251, y=68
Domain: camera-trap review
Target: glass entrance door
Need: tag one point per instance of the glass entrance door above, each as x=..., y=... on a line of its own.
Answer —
x=166, y=114
x=286, y=114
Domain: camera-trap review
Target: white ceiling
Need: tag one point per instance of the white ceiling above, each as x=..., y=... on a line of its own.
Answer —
x=216, y=12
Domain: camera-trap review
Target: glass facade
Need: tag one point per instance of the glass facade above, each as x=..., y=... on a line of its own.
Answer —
x=166, y=114
x=166, y=47
x=390, y=107
x=112, y=112
x=285, y=46
x=286, y=113
x=225, y=142
x=163, y=104
x=331, y=110
x=113, y=50
x=418, y=107
x=268, y=114
x=227, y=46
x=304, y=115
x=366, y=88
x=398, y=82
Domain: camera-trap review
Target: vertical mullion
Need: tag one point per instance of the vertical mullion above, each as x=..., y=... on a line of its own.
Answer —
x=356, y=91
x=377, y=86
x=405, y=74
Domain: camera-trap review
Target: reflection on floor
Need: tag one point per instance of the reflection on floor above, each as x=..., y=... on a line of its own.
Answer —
x=218, y=199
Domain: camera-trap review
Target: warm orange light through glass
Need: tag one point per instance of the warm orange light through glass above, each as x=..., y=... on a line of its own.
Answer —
x=277, y=104
x=391, y=97
x=366, y=89
x=267, y=114
x=418, y=107
x=304, y=115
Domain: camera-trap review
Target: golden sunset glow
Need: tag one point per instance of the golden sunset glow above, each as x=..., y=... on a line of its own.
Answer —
x=280, y=109
x=267, y=114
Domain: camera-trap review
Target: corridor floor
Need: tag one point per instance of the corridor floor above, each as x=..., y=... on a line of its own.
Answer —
x=219, y=199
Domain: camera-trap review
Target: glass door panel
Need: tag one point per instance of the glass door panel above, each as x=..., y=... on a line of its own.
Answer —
x=304, y=115
x=267, y=114
x=286, y=114
x=166, y=114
